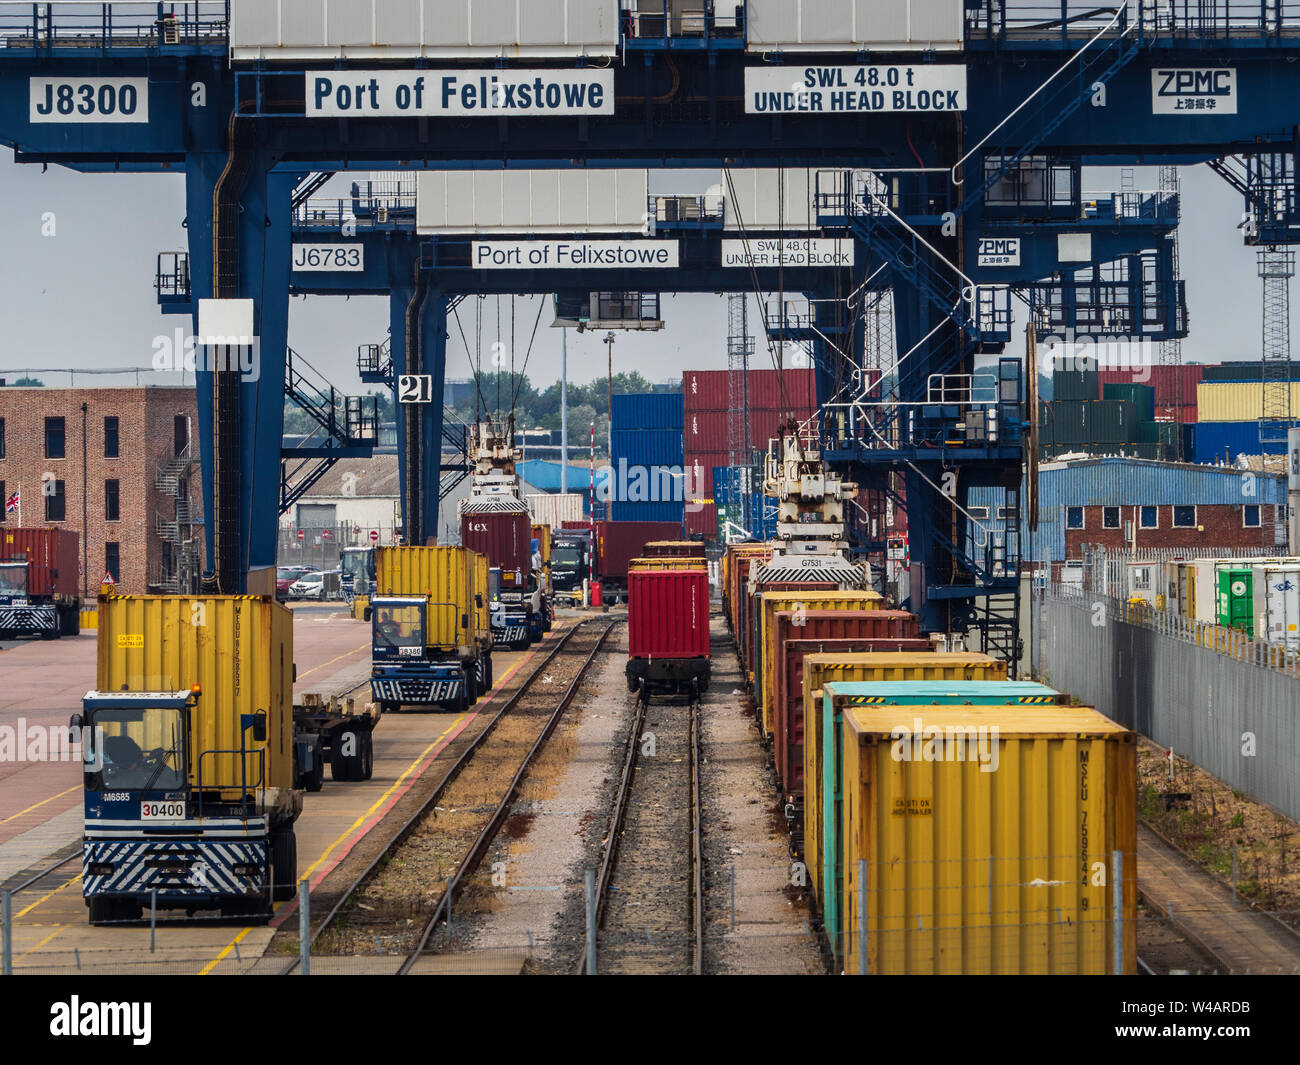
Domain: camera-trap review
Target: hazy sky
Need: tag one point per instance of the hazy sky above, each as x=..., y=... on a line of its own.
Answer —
x=83, y=297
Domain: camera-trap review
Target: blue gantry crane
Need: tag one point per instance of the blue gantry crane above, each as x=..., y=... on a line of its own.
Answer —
x=958, y=130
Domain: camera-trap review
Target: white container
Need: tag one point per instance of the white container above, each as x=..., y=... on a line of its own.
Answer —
x=295, y=30
x=532, y=202
x=767, y=199
x=553, y=509
x=1277, y=604
x=854, y=25
x=1144, y=581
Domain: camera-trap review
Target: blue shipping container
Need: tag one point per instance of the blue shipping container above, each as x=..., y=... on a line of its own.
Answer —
x=648, y=447
x=648, y=410
x=663, y=511
x=1213, y=439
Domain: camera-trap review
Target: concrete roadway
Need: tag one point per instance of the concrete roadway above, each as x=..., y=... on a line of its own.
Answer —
x=40, y=802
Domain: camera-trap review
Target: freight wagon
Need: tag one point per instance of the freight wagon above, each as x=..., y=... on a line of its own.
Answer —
x=431, y=639
x=822, y=669
x=189, y=784
x=38, y=583
x=668, y=632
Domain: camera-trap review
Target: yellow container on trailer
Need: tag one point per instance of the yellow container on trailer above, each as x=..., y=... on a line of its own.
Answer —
x=769, y=603
x=821, y=669
x=995, y=858
x=454, y=583
x=237, y=649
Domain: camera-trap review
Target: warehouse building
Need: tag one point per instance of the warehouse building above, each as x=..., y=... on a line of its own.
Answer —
x=1138, y=504
x=117, y=466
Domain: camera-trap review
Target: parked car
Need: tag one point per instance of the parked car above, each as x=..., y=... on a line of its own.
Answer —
x=285, y=576
x=308, y=586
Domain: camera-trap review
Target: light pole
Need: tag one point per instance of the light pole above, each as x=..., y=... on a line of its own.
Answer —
x=564, y=411
x=609, y=353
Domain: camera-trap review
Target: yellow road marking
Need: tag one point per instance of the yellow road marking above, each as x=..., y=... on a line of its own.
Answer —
x=36, y=806
x=42, y=943
x=43, y=898
x=359, y=647
x=347, y=832
x=360, y=820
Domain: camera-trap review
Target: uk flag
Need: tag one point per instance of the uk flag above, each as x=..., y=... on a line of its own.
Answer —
x=11, y=504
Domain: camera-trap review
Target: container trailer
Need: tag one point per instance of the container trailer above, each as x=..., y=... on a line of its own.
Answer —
x=505, y=538
x=190, y=796
x=668, y=632
x=431, y=639
x=39, y=570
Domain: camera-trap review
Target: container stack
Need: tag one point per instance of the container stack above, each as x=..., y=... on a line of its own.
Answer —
x=1230, y=401
x=646, y=457
x=1121, y=422
x=1174, y=388
x=772, y=397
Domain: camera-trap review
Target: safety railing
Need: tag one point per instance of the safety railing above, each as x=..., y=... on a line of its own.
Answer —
x=654, y=25
x=1069, y=21
x=96, y=25
x=172, y=276
x=687, y=210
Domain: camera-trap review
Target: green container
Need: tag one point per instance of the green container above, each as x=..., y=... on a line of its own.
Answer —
x=1141, y=396
x=1075, y=385
x=1237, y=600
x=1148, y=432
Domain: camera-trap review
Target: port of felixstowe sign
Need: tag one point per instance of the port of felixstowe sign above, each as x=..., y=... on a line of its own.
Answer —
x=481, y=93
x=572, y=254
x=836, y=90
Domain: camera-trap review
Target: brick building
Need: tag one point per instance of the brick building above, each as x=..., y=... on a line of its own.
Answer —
x=1140, y=504
x=118, y=466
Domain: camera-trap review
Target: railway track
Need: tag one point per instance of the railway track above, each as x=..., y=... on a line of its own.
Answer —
x=649, y=891
x=444, y=839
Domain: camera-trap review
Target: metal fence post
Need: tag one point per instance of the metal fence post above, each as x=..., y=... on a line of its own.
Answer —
x=591, y=921
x=862, y=917
x=304, y=926
x=153, y=919
x=1117, y=904
x=6, y=935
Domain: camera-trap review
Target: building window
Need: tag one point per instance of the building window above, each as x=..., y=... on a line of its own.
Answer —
x=1149, y=517
x=180, y=435
x=979, y=513
x=112, y=510
x=1005, y=512
x=1184, y=517
x=1074, y=517
x=1250, y=515
x=112, y=562
x=55, y=502
x=54, y=438
x=110, y=438
x=1110, y=517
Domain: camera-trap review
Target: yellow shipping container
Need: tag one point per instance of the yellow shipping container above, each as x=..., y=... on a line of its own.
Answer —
x=771, y=602
x=1235, y=401
x=996, y=861
x=821, y=669
x=237, y=649
x=666, y=563
x=454, y=581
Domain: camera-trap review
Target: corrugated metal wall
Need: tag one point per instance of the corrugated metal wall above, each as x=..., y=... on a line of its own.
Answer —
x=1206, y=706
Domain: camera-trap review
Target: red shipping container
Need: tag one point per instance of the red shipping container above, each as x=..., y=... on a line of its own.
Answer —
x=812, y=632
x=52, y=557
x=792, y=389
x=505, y=538
x=621, y=541
x=668, y=614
